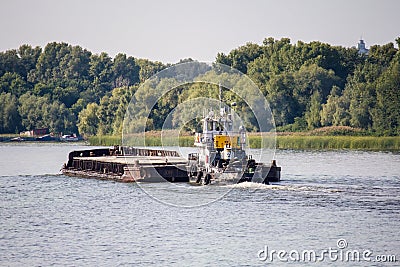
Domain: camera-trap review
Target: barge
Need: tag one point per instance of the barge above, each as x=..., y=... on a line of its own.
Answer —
x=127, y=164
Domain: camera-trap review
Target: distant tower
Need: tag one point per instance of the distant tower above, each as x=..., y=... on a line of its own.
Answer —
x=361, y=48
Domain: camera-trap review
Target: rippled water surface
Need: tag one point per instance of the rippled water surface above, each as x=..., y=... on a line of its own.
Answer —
x=51, y=219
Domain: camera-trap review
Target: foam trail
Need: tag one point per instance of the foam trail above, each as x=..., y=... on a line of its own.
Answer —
x=304, y=188
x=252, y=185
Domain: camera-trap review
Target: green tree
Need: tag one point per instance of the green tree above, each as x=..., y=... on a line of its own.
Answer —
x=121, y=98
x=12, y=82
x=126, y=72
x=312, y=115
x=9, y=62
x=10, y=120
x=310, y=79
x=28, y=57
x=30, y=110
x=342, y=116
x=382, y=54
x=100, y=69
x=41, y=112
x=48, y=66
x=361, y=104
x=282, y=102
x=240, y=57
x=148, y=68
x=58, y=118
x=328, y=110
x=386, y=115
x=88, y=121
x=105, y=116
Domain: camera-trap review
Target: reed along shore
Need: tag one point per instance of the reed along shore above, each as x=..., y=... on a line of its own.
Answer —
x=300, y=142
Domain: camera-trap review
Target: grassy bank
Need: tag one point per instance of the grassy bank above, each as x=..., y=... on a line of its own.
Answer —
x=104, y=140
x=338, y=142
x=332, y=142
x=282, y=142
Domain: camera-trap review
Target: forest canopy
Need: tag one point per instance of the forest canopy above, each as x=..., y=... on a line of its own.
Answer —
x=69, y=89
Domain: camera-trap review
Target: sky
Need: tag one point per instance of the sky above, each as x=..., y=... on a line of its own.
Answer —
x=168, y=31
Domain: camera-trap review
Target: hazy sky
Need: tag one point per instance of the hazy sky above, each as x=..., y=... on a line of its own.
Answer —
x=171, y=30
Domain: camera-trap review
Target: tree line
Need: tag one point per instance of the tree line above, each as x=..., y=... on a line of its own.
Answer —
x=49, y=87
x=316, y=84
x=308, y=85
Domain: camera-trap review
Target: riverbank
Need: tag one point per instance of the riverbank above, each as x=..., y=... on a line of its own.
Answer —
x=42, y=138
x=374, y=143
x=391, y=143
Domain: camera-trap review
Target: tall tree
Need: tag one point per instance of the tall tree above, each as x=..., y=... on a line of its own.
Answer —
x=312, y=115
x=88, y=120
x=386, y=115
x=10, y=119
x=12, y=82
x=28, y=59
x=126, y=72
x=148, y=68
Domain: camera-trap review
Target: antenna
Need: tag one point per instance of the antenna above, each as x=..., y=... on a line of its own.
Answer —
x=222, y=110
x=220, y=96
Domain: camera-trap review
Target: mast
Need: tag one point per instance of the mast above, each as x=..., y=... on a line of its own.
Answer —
x=220, y=97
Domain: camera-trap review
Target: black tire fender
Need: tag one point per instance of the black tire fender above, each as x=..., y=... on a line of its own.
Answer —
x=207, y=179
x=199, y=176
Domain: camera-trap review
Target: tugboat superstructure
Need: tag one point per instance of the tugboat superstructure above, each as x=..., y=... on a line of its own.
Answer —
x=222, y=157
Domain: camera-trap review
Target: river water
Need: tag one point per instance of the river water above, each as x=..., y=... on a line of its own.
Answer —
x=327, y=201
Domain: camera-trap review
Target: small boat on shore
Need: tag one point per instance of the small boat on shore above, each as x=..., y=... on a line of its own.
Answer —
x=16, y=139
x=69, y=138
